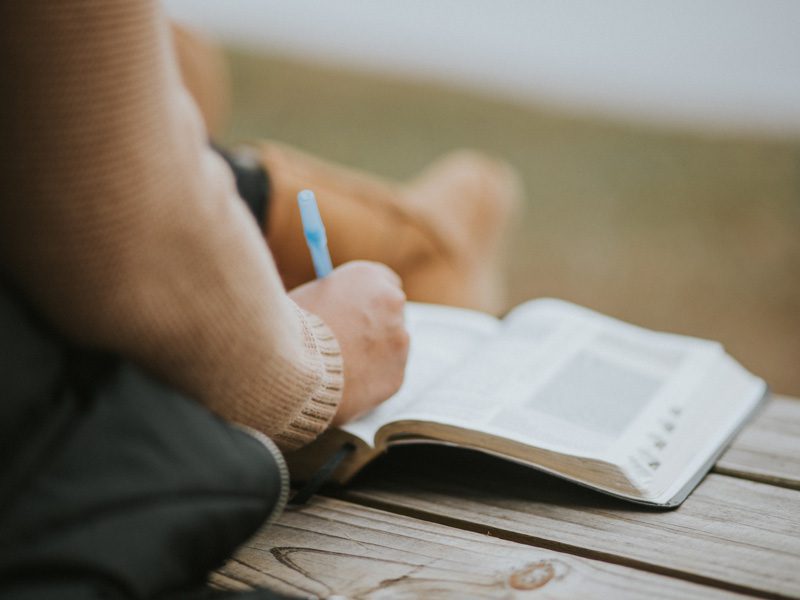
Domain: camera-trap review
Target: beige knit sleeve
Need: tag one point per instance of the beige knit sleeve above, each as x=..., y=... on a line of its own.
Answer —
x=125, y=230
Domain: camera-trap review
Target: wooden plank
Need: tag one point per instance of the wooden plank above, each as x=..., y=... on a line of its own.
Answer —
x=729, y=532
x=768, y=449
x=332, y=548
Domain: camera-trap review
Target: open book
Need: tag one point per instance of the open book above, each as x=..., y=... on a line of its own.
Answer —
x=630, y=412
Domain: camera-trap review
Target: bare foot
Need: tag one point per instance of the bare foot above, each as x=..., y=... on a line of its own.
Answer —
x=467, y=199
x=441, y=232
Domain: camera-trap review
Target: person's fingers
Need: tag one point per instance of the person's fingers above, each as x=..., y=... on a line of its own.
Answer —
x=375, y=269
x=389, y=274
x=394, y=277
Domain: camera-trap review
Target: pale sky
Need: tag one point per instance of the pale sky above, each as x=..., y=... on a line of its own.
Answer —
x=727, y=65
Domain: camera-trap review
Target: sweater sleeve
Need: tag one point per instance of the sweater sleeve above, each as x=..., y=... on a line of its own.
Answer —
x=124, y=228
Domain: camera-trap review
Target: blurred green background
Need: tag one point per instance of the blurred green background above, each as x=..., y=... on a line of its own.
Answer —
x=678, y=231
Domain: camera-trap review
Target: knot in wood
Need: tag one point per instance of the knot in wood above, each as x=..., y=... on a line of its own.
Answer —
x=532, y=576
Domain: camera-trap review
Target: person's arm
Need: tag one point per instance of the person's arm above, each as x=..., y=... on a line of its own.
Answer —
x=124, y=228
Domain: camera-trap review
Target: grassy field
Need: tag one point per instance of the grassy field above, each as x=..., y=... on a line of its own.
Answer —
x=678, y=231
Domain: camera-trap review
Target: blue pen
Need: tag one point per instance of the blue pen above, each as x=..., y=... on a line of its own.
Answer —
x=314, y=231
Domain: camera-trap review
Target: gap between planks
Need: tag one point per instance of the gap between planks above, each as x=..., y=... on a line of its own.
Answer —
x=762, y=452
x=335, y=547
x=731, y=533
x=561, y=547
x=768, y=448
x=765, y=452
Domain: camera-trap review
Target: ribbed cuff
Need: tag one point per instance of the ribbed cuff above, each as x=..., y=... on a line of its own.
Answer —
x=283, y=470
x=317, y=413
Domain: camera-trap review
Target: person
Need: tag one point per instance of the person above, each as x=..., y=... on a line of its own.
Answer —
x=440, y=232
x=153, y=365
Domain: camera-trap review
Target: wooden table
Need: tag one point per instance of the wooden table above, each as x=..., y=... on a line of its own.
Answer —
x=440, y=523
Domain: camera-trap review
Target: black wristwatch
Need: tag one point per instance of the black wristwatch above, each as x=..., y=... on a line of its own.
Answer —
x=252, y=180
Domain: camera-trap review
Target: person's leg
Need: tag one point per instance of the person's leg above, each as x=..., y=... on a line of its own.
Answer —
x=116, y=486
x=144, y=495
x=88, y=588
x=441, y=231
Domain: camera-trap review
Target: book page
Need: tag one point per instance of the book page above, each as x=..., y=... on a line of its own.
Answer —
x=440, y=339
x=564, y=378
x=670, y=450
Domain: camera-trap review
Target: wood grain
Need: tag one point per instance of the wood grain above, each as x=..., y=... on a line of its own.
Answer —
x=768, y=449
x=731, y=532
x=332, y=548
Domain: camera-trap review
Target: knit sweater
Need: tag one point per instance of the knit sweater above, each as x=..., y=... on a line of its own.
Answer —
x=124, y=229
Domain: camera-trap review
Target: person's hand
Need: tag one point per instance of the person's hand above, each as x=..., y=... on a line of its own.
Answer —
x=362, y=302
